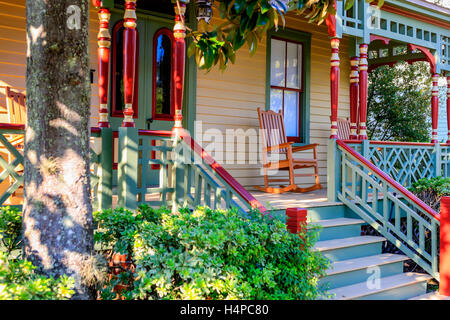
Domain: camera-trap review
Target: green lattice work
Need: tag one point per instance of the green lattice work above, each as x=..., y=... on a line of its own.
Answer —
x=11, y=145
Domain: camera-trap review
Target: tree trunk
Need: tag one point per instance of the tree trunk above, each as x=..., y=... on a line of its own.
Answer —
x=58, y=232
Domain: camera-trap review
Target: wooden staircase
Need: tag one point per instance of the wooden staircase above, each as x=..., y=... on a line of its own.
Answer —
x=359, y=270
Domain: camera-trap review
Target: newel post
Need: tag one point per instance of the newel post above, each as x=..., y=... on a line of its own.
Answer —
x=333, y=171
x=296, y=220
x=128, y=168
x=444, y=255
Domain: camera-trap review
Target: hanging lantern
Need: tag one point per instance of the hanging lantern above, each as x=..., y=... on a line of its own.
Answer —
x=204, y=10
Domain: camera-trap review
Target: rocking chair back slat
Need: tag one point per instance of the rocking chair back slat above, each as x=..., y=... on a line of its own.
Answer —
x=272, y=125
x=343, y=128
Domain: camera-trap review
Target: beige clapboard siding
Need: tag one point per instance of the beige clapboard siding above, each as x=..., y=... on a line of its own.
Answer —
x=13, y=48
x=228, y=100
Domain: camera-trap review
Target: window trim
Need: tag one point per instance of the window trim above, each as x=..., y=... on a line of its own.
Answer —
x=114, y=111
x=156, y=116
x=303, y=38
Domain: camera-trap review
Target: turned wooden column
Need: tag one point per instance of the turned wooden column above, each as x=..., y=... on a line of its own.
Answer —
x=179, y=33
x=448, y=108
x=104, y=44
x=129, y=60
x=334, y=86
x=434, y=108
x=363, y=66
x=354, y=89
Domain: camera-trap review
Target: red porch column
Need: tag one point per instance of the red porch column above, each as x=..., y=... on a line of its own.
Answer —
x=434, y=107
x=179, y=33
x=354, y=88
x=129, y=61
x=448, y=108
x=334, y=85
x=363, y=66
x=104, y=44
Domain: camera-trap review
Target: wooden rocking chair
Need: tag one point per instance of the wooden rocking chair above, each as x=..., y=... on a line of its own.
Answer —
x=275, y=142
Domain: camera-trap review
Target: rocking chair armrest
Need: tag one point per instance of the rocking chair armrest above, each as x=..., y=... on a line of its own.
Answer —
x=280, y=146
x=307, y=147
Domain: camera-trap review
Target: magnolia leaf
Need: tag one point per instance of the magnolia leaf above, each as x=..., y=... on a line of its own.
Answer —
x=349, y=4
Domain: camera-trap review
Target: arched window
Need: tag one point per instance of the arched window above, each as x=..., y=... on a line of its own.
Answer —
x=117, y=94
x=163, y=63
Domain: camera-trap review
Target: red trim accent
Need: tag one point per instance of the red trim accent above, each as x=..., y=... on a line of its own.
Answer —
x=12, y=126
x=444, y=254
x=428, y=55
x=95, y=130
x=416, y=16
x=374, y=37
x=395, y=184
x=103, y=56
x=352, y=141
x=157, y=116
x=330, y=21
x=157, y=133
x=97, y=3
x=115, y=112
x=220, y=170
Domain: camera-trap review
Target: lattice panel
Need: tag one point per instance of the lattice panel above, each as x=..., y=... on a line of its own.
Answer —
x=405, y=164
x=11, y=162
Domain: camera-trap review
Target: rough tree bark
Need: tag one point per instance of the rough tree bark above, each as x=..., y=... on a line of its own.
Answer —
x=58, y=232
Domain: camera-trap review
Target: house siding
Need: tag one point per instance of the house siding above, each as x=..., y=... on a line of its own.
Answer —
x=229, y=100
x=13, y=48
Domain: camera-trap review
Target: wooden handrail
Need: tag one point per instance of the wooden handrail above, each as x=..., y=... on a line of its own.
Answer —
x=161, y=133
x=392, y=182
x=236, y=186
x=12, y=126
x=400, y=143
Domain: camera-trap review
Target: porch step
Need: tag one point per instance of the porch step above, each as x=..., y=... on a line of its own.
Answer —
x=350, y=248
x=338, y=228
x=397, y=287
x=431, y=296
x=351, y=271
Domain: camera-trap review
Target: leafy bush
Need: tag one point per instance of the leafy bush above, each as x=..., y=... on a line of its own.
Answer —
x=431, y=190
x=10, y=228
x=18, y=281
x=210, y=254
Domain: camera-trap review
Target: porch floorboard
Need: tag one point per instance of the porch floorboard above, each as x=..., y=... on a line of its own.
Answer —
x=316, y=198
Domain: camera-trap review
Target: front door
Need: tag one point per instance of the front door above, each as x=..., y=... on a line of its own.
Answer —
x=153, y=102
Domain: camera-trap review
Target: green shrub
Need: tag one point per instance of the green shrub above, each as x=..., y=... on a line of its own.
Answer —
x=211, y=254
x=18, y=281
x=431, y=190
x=10, y=228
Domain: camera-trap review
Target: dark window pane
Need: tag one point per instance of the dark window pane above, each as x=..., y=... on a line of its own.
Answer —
x=163, y=74
x=118, y=77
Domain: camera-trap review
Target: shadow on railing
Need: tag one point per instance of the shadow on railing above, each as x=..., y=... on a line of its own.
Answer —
x=392, y=210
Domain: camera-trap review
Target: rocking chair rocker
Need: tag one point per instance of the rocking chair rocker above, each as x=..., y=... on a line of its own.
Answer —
x=275, y=142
